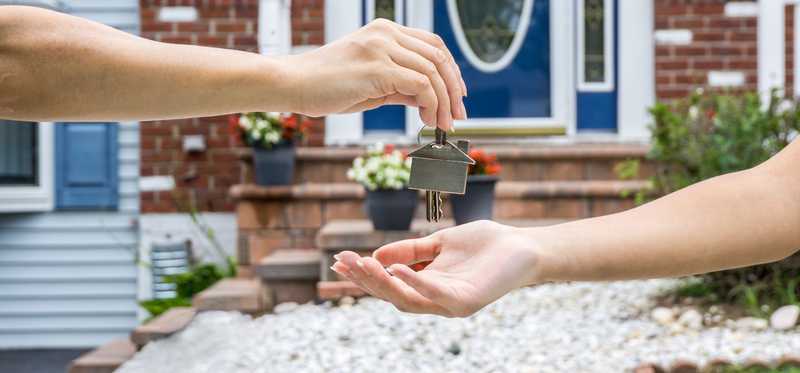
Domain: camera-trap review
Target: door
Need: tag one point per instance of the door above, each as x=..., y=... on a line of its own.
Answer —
x=503, y=49
x=391, y=118
x=596, y=73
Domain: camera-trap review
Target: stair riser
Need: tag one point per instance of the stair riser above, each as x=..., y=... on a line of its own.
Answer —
x=335, y=171
x=268, y=225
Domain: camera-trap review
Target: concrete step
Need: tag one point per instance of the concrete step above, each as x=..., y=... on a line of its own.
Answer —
x=234, y=294
x=104, y=359
x=163, y=326
x=290, y=275
x=521, y=162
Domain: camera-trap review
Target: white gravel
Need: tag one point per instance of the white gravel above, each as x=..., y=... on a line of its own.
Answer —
x=586, y=327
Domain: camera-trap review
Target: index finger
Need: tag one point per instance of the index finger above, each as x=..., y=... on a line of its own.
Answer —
x=408, y=251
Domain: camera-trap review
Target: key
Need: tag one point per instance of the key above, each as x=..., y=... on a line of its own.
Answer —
x=439, y=167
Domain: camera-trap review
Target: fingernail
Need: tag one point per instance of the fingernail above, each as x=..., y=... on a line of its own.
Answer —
x=389, y=270
x=337, y=257
x=463, y=110
x=360, y=263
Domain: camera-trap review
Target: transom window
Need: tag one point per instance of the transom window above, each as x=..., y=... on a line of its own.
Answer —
x=18, y=153
x=490, y=26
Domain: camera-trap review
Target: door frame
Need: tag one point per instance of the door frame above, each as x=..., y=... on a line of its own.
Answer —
x=635, y=74
x=562, y=84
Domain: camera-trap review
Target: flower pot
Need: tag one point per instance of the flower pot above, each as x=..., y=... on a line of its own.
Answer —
x=391, y=210
x=274, y=166
x=477, y=202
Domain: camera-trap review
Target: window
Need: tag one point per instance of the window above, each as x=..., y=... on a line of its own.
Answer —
x=26, y=166
x=595, y=45
x=387, y=9
x=18, y=143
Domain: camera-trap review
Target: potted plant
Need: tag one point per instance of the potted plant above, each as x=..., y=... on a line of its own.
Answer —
x=272, y=137
x=384, y=173
x=477, y=202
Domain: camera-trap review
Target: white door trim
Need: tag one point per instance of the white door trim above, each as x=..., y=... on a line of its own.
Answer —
x=562, y=97
x=771, y=55
x=636, y=80
x=341, y=18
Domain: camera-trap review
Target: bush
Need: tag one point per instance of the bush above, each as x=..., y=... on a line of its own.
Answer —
x=706, y=135
x=187, y=285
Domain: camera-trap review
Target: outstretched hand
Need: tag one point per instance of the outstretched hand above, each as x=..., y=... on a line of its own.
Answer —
x=470, y=266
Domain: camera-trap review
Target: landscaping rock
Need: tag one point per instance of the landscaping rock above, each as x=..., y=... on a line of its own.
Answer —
x=663, y=315
x=347, y=301
x=691, y=319
x=285, y=307
x=751, y=323
x=575, y=327
x=785, y=318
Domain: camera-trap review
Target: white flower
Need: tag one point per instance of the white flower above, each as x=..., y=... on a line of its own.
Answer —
x=261, y=124
x=351, y=174
x=694, y=112
x=358, y=162
x=784, y=106
x=244, y=122
x=255, y=134
x=273, y=137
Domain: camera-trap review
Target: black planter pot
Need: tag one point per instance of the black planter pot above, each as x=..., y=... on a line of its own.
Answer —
x=391, y=210
x=274, y=166
x=477, y=202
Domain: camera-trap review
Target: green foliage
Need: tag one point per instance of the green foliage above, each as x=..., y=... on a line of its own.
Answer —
x=706, y=135
x=757, y=369
x=158, y=306
x=199, y=278
x=187, y=285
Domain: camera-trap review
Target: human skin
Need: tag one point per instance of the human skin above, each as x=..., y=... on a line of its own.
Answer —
x=59, y=67
x=735, y=220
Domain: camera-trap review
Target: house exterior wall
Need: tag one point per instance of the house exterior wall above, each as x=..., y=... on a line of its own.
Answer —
x=698, y=43
x=203, y=179
x=68, y=279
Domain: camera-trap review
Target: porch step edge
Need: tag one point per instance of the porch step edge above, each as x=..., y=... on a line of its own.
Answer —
x=505, y=189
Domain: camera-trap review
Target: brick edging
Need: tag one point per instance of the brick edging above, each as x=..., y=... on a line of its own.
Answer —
x=505, y=189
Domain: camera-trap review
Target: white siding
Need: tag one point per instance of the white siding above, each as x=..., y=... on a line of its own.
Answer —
x=68, y=279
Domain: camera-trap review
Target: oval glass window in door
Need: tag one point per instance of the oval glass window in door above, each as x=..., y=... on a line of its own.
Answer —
x=490, y=32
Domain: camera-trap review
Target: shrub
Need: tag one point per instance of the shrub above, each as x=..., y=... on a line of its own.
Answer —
x=705, y=135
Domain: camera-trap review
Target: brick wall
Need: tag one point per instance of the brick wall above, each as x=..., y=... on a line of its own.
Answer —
x=719, y=43
x=204, y=178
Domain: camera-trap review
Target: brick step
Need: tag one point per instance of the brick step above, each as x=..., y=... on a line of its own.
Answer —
x=165, y=325
x=527, y=162
x=104, y=359
x=335, y=290
x=280, y=217
x=234, y=294
x=290, y=275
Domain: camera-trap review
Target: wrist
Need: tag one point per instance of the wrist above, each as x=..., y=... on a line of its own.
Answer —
x=539, y=255
x=276, y=88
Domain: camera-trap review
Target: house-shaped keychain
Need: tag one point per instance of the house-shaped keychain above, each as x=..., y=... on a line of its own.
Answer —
x=440, y=166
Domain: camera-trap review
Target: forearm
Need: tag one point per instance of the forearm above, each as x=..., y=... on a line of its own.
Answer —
x=54, y=66
x=730, y=221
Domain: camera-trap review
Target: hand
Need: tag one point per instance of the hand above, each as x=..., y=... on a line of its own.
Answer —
x=472, y=265
x=383, y=63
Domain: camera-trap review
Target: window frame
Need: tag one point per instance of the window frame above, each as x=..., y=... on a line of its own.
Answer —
x=607, y=85
x=34, y=198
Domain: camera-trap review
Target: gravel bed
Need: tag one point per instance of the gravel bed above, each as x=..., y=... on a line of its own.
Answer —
x=586, y=327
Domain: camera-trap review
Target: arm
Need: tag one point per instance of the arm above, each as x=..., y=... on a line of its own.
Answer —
x=734, y=220
x=55, y=66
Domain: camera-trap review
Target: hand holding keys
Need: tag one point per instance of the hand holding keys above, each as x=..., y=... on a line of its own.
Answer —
x=439, y=167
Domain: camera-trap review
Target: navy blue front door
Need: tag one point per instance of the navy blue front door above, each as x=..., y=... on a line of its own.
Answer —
x=392, y=117
x=596, y=94
x=503, y=49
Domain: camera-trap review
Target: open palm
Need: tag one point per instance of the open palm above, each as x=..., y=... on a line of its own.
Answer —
x=471, y=266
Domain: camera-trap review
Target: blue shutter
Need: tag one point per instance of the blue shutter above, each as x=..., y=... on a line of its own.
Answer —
x=86, y=166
